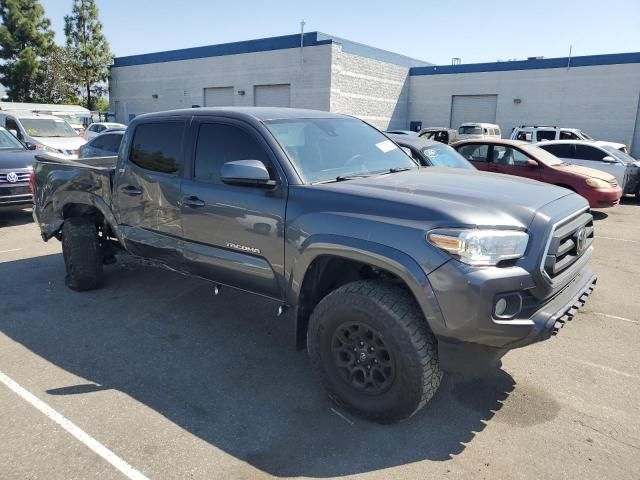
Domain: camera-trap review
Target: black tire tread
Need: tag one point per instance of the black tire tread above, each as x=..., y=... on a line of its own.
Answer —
x=81, y=248
x=407, y=316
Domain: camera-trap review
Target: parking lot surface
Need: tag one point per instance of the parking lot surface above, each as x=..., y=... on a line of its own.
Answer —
x=175, y=382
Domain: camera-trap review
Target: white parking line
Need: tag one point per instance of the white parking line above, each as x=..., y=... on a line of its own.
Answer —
x=619, y=239
x=615, y=317
x=12, y=250
x=74, y=430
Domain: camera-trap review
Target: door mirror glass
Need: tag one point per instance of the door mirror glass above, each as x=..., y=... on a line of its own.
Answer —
x=609, y=159
x=246, y=172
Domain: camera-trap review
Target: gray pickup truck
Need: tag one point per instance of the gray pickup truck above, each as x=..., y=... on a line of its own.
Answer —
x=390, y=273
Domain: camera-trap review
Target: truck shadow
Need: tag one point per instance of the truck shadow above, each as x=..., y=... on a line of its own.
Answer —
x=223, y=368
x=14, y=216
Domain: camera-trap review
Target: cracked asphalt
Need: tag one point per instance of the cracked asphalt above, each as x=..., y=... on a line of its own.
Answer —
x=179, y=383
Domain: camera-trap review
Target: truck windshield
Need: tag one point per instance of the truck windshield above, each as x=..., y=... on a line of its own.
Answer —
x=470, y=130
x=333, y=149
x=47, y=127
x=8, y=141
x=445, y=156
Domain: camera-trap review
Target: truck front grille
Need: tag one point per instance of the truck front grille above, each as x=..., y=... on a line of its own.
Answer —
x=569, y=241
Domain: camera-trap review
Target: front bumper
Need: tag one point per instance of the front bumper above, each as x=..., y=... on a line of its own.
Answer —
x=15, y=194
x=473, y=351
x=602, y=198
x=466, y=298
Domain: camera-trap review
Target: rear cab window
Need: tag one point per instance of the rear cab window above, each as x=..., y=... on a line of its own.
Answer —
x=157, y=146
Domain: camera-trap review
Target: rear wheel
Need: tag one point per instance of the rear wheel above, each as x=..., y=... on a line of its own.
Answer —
x=82, y=254
x=370, y=344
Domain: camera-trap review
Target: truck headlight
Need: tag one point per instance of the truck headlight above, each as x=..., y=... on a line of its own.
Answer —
x=597, y=183
x=480, y=247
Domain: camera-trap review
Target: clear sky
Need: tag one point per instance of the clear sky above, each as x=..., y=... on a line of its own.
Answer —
x=434, y=31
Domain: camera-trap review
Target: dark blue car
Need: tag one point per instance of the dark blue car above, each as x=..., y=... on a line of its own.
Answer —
x=16, y=166
x=104, y=145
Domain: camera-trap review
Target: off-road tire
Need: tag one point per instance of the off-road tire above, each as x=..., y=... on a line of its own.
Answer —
x=82, y=254
x=392, y=312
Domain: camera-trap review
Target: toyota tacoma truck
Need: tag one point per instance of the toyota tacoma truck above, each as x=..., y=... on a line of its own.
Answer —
x=389, y=273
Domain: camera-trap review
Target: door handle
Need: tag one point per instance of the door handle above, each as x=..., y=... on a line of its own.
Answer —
x=193, y=202
x=131, y=190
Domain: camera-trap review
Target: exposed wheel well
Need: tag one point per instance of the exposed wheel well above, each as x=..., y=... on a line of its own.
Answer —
x=325, y=274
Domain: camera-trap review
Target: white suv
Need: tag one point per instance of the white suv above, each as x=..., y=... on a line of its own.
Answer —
x=543, y=133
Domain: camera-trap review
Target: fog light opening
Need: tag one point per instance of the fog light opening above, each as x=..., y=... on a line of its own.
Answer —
x=507, y=306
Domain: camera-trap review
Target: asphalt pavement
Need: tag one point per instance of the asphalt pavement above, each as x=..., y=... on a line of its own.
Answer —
x=155, y=376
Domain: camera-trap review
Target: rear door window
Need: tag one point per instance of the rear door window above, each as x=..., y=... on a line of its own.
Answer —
x=158, y=146
x=542, y=135
x=587, y=152
x=560, y=150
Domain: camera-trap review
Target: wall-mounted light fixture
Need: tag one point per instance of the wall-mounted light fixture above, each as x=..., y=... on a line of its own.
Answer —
x=240, y=92
x=154, y=96
x=517, y=100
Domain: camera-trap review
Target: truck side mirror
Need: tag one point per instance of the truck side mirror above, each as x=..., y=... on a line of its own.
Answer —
x=249, y=173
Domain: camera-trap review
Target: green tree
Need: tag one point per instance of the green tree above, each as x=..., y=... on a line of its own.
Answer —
x=25, y=37
x=90, y=53
x=55, y=82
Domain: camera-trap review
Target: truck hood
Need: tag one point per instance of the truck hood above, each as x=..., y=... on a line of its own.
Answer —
x=61, y=143
x=455, y=197
x=16, y=159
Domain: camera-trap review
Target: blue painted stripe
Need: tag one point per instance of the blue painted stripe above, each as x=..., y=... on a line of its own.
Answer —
x=311, y=39
x=562, y=62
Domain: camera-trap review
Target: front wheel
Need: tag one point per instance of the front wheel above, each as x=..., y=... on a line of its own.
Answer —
x=371, y=346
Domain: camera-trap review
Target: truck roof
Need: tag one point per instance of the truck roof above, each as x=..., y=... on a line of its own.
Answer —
x=258, y=113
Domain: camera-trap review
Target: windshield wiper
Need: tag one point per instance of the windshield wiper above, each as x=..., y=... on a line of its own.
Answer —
x=395, y=170
x=343, y=178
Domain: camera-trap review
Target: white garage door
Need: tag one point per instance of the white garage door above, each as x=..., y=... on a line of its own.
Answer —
x=271, y=96
x=473, y=108
x=218, y=97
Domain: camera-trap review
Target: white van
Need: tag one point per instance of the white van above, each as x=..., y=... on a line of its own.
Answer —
x=478, y=130
x=41, y=131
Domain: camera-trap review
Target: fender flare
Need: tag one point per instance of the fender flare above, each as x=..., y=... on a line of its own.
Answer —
x=381, y=256
x=70, y=197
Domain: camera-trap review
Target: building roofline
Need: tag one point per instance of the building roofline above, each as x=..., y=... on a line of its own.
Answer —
x=310, y=39
x=536, y=64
